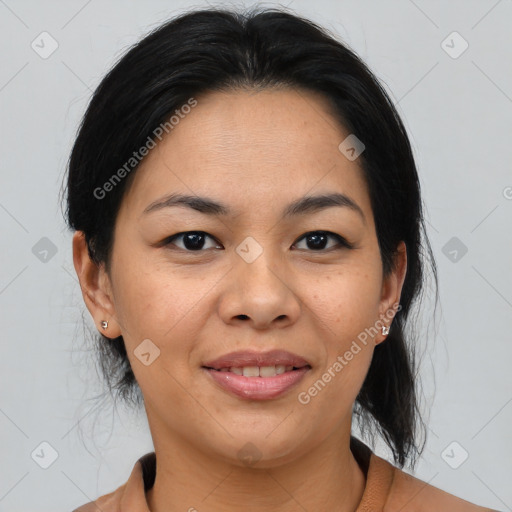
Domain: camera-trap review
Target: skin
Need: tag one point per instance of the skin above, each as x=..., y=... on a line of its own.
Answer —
x=255, y=152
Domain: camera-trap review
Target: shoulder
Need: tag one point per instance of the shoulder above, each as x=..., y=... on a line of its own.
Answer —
x=129, y=497
x=414, y=495
x=106, y=503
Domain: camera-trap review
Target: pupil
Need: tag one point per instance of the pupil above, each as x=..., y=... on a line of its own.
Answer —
x=318, y=241
x=192, y=241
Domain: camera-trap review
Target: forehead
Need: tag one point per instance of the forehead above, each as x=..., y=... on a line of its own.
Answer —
x=254, y=150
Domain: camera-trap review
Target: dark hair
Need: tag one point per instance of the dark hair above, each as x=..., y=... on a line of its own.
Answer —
x=216, y=49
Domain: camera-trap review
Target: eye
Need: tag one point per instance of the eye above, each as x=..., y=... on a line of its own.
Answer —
x=192, y=240
x=317, y=240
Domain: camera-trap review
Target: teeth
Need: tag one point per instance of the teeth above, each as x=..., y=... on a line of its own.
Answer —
x=259, y=371
x=267, y=371
x=251, y=371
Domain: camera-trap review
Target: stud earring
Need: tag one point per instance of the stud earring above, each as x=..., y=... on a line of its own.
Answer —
x=385, y=330
x=104, y=324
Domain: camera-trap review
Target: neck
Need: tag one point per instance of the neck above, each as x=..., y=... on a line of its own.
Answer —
x=191, y=481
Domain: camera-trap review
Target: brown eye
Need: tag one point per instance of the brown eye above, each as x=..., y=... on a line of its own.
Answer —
x=318, y=240
x=192, y=241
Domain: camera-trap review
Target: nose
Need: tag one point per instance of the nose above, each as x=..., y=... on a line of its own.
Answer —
x=260, y=294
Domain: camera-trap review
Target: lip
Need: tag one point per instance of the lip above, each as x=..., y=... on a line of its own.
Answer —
x=249, y=358
x=257, y=388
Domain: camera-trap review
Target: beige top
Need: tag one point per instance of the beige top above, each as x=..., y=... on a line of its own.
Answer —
x=387, y=489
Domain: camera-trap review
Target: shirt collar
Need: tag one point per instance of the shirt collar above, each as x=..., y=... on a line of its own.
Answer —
x=379, y=473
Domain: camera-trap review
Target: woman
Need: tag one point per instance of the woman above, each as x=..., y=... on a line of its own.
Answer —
x=248, y=227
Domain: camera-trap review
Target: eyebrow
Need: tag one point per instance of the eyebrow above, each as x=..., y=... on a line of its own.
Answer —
x=301, y=206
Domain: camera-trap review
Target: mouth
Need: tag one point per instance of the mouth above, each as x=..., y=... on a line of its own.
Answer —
x=259, y=371
x=257, y=376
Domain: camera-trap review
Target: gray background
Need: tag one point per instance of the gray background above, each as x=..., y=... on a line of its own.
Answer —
x=458, y=112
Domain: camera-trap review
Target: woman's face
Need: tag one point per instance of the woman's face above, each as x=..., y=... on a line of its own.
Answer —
x=250, y=282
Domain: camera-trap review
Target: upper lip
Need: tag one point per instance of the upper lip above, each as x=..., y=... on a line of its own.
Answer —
x=248, y=358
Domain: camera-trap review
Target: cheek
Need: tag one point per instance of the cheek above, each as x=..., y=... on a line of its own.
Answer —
x=157, y=306
x=348, y=350
x=346, y=303
x=166, y=305
x=152, y=300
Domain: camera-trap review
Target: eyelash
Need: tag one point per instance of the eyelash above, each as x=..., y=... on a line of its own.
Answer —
x=342, y=243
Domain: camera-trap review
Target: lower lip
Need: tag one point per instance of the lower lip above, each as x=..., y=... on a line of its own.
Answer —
x=257, y=388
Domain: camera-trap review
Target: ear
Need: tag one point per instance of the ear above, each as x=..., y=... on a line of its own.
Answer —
x=96, y=288
x=392, y=289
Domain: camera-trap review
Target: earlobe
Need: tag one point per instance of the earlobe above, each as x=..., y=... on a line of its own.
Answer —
x=96, y=288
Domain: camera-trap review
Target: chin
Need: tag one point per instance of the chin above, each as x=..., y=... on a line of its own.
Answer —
x=260, y=450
